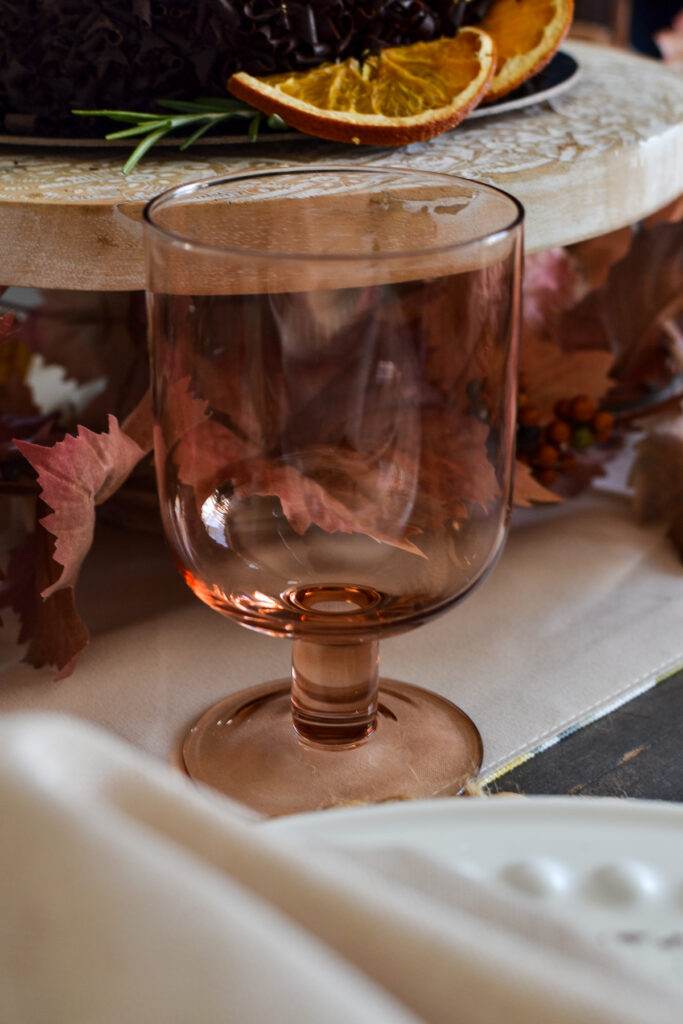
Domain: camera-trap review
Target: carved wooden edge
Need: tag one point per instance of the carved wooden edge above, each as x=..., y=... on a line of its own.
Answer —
x=622, y=166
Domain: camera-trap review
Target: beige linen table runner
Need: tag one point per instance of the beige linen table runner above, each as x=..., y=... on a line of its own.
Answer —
x=584, y=610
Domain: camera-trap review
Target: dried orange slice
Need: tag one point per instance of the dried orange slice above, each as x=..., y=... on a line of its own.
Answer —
x=402, y=94
x=527, y=34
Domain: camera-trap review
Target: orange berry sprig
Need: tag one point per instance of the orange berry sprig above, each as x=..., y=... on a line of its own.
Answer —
x=552, y=448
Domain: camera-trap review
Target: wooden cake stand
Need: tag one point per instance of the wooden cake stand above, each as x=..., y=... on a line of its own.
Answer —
x=602, y=155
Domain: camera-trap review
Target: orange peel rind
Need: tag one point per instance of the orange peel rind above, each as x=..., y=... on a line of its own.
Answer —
x=527, y=34
x=402, y=94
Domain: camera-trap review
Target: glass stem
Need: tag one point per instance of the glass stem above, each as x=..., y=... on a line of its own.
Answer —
x=334, y=692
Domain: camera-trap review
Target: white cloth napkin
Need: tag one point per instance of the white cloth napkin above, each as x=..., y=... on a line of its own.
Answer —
x=128, y=895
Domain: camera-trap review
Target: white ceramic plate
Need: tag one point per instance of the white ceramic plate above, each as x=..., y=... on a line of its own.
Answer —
x=562, y=73
x=611, y=868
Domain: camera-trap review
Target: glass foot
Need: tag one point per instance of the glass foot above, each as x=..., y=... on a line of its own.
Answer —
x=246, y=747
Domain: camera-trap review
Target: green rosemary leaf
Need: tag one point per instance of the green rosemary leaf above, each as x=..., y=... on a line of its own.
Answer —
x=199, y=132
x=224, y=103
x=276, y=122
x=196, y=116
x=227, y=106
x=133, y=116
x=141, y=148
x=254, y=126
x=140, y=129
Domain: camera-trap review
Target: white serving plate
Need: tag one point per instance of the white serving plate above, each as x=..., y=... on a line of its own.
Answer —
x=611, y=868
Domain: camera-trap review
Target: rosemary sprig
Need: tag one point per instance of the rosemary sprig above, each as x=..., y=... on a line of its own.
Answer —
x=197, y=116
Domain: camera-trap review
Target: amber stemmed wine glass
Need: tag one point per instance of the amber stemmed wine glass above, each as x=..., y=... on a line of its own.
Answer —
x=333, y=353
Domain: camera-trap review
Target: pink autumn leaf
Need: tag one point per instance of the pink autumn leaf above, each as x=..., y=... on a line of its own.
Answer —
x=139, y=424
x=184, y=411
x=206, y=454
x=15, y=395
x=38, y=429
x=643, y=292
x=594, y=257
x=551, y=374
x=551, y=285
x=6, y=325
x=668, y=214
x=75, y=475
x=670, y=43
x=304, y=501
x=77, y=330
x=19, y=589
x=345, y=506
x=455, y=467
x=53, y=629
x=94, y=337
x=60, y=637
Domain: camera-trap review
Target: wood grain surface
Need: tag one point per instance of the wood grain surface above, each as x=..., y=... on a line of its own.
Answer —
x=600, y=156
x=636, y=751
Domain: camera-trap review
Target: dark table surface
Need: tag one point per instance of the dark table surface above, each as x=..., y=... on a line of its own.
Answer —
x=635, y=751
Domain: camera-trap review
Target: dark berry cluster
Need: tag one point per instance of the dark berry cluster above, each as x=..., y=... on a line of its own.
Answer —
x=552, y=448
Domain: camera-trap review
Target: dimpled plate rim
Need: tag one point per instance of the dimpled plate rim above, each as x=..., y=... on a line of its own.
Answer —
x=611, y=868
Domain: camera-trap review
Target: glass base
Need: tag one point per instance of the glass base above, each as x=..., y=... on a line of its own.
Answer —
x=247, y=748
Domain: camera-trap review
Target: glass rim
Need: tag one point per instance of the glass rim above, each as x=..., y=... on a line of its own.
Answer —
x=201, y=184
